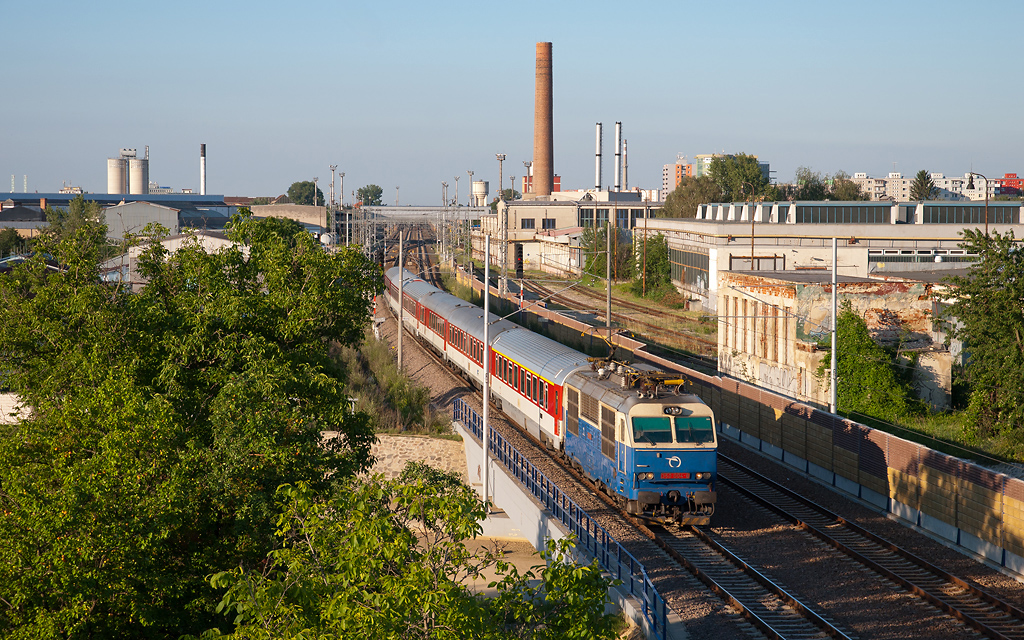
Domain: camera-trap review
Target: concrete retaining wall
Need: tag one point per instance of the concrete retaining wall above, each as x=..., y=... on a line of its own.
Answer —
x=393, y=451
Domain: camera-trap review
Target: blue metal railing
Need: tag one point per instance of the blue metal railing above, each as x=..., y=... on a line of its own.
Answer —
x=589, y=534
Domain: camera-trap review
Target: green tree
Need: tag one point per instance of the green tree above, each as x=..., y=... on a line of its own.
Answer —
x=923, y=187
x=844, y=189
x=306, y=193
x=739, y=177
x=507, y=195
x=987, y=315
x=683, y=201
x=871, y=383
x=595, y=243
x=161, y=423
x=11, y=242
x=654, y=273
x=370, y=195
x=388, y=560
x=810, y=185
x=65, y=223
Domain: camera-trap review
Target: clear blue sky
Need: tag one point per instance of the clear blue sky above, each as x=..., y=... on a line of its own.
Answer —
x=409, y=94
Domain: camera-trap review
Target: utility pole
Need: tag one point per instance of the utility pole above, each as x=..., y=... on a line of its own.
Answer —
x=444, y=214
x=832, y=387
x=487, y=360
x=503, y=213
x=331, y=209
x=401, y=294
x=315, y=188
x=396, y=196
x=608, y=277
x=456, y=191
x=470, y=188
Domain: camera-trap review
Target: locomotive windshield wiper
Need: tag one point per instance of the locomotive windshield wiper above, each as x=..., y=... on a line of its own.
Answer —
x=646, y=437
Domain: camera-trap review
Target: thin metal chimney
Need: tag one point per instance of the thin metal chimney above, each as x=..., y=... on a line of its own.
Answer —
x=543, y=130
x=618, y=156
x=625, y=166
x=597, y=160
x=202, y=169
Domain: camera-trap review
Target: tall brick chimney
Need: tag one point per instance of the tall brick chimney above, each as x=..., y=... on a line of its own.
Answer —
x=543, y=143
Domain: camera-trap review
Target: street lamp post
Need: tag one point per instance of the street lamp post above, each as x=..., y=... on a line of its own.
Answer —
x=470, y=187
x=456, y=191
x=970, y=185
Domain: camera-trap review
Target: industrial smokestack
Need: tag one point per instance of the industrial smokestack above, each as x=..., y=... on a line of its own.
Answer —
x=202, y=169
x=618, y=156
x=597, y=160
x=543, y=130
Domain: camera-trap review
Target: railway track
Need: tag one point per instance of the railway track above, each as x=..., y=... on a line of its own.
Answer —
x=418, y=254
x=700, y=346
x=981, y=611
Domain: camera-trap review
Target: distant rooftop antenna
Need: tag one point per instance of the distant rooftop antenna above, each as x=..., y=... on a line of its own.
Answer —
x=25, y=185
x=12, y=183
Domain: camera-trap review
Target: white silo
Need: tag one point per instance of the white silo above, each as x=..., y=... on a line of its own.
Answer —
x=138, y=176
x=117, y=172
x=480, y=189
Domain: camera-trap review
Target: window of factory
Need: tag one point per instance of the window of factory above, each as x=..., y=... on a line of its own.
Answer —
x=548, y=223
x=602, y=217
x=527, y=223
x=586, y=217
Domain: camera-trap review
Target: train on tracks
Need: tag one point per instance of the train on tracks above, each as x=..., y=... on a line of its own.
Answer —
x=632, y=430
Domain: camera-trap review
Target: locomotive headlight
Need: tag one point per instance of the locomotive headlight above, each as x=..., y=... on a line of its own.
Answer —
x=673, y=411
x=645, y=476
x=702, y=476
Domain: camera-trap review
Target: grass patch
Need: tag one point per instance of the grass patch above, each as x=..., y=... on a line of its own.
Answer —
x=394, y=402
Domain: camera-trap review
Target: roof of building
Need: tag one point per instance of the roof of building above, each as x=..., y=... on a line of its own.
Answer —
x=810, y=276
x=106, y=199
x=22, y=213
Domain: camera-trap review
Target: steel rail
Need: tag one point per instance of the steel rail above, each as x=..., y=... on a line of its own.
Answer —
x=1009, y=618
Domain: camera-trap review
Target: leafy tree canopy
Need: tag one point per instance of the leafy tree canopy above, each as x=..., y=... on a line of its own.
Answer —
x=923, y=187
x=396, y=568
x=683, y=201
x=870, y=381
x=987, y=314
x=507, y=195
x=64, y=223
x=812, y=185
x=843, y=189
x=304, y=192
x=739, y=178
x=654, y=272
x=370, y=195
x=162, y=422
x=11, y=242
x=595, y=243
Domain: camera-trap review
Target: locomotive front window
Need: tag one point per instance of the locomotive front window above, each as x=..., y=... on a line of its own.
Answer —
x=696, y=429
x=652, y=429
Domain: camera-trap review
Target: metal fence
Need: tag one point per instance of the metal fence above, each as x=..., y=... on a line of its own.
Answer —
x=590, y=535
